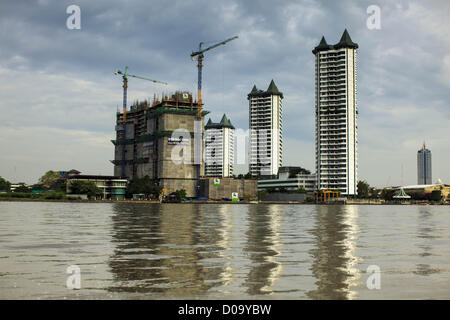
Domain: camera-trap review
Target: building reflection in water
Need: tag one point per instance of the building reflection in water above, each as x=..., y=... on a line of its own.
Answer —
x=334, y=263
x=426, y=234
x=162, y=249
x=263, y=246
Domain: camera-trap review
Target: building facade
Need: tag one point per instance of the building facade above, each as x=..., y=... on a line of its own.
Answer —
x=160, y=142
x=424, y=166
x=290, y=179
x=111, y=187
x=219, y=148
x=266, y=131
x=336, y=116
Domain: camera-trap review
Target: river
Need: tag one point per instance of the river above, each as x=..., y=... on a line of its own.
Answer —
x=224, y=251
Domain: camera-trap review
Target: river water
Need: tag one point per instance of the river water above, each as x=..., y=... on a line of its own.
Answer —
x=224, y=251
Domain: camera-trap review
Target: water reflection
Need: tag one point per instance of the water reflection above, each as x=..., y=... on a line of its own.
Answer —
x=263, y=246
x=426, y=233
x=162, y=249
x=334, y=262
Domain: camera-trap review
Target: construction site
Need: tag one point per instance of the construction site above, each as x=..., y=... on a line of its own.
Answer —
x=148, y=143
x=150, y=133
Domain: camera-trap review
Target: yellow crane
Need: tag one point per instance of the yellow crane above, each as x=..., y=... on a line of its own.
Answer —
x=125, y=76
x=198, y=147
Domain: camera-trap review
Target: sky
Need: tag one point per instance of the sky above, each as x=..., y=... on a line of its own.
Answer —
x=59, y=95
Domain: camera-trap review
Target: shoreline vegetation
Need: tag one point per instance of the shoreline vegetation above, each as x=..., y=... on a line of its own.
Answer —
x=77, y=200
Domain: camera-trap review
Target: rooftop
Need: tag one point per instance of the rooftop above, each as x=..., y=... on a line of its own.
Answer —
x=224, y=123
x=271, y=90
x=345, y=42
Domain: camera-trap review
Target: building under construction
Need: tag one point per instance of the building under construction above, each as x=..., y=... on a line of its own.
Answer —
x=149, y=141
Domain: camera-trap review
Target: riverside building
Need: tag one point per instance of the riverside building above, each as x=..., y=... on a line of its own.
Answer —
x=336, y=116
x=266, y=127
x=219, y=148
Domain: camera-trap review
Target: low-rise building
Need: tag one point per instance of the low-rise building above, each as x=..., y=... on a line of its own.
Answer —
x=112, y=187
x=289, y=178
x=227, y=188
x=421, y=190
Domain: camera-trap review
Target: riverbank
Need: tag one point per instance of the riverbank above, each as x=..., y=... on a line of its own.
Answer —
x=352, y=202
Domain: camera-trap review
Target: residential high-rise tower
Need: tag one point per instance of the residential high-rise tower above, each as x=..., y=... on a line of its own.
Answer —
x=336, y=115
x=266, y=130
x=219, y=148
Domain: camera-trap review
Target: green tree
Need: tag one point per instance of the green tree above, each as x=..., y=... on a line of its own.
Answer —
x=363, y=189
x=436, y=195
x=84, y=187
x=144, y=186
x=5, y=185
x=180, y=194
x=49, y=178
x=301, y=190
x=387, y=194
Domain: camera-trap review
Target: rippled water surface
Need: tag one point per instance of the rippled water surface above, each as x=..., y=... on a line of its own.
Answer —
x=229, y=251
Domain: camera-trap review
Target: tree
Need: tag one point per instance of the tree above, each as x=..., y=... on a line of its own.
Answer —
x=436, y=195
x=387, y=194
x=301, y=190
x=144, y=186
x=84, y=187
x=4, y=185
x=49, y=178
x=363, y=189
x=180, y=194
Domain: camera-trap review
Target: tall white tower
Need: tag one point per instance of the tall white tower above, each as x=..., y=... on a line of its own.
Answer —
x=336, y=116
x=266, y=130
x=219, y=148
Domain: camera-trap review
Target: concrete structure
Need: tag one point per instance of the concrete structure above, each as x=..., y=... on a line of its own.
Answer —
x=424, y=166
x=266, y=130
x=218, y=189
x=418, y=191
x=112, y=187
x=285, y=196
x=219, y=148
x=160, y=142
x=289, y=178
x=336, y=115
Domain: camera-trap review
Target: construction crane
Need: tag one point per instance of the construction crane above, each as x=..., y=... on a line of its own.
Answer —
x=125, y=76
x=198, y=144
x=199, y=54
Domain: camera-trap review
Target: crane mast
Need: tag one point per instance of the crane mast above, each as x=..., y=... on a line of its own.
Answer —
x=198, y=144
x=125, y=76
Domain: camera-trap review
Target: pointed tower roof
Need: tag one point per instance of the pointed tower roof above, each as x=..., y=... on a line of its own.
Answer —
x=346, y=41
x=225, y=122
x=273, y=90
x=323, y=45
x=209, y=124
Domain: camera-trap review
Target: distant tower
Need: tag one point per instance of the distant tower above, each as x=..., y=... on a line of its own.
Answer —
x=266, y=130
x=336, y=115
x=219, y=148
x=424, y=166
